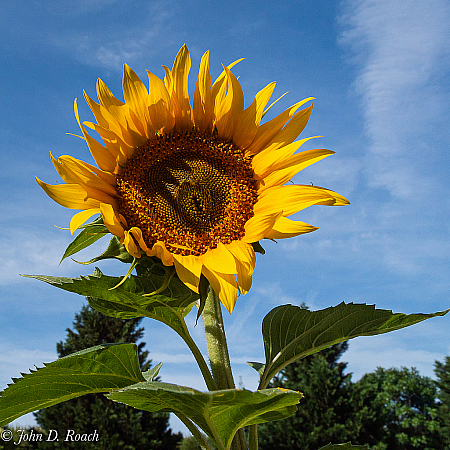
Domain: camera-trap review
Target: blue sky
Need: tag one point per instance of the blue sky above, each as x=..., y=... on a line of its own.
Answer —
x=379, y=70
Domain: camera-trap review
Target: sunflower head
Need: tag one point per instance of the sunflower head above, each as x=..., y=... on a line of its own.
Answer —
x=192, y=185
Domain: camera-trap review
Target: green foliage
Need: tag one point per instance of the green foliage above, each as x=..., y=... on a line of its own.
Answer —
x=128, y=301
x=218, y=413
x=118, y=426
x=188, y=443
x=98, y=369
x=324, y=415
x=292, y=332
x=89, y=234
x=442, y=371
x=396, y=409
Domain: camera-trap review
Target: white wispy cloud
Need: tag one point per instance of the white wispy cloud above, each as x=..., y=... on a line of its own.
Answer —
x=402, y=49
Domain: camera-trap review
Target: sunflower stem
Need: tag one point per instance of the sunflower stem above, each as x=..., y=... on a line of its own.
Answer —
x=219, y=358
x=216, y=342
x=253, y=437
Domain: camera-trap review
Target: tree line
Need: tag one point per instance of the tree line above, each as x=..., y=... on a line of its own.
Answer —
x=388, y=409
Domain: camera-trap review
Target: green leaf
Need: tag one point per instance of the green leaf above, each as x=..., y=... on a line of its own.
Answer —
x=98, y=369
x=347, y=446
x=127, y=300
x=259, y=367
x=90, y=233
x=115, y=250
x=218, y=413
x=151, y=374
x=257, y=247
x=291, y=332
x=130, y=293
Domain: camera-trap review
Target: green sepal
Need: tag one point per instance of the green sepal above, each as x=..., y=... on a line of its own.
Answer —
x=218, y=413
x=259, y=367
x=203, y=289
x=257, y=247
x=102, y=368
x=115, y=250
x=291, y=332
x=347, y=446
x=89, y=234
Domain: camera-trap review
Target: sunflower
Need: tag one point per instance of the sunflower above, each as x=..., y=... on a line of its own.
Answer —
x=193, y=185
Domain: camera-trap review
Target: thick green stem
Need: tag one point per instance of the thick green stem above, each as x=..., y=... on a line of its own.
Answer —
x=216, y=342
x=209, y=380
x=218, y=354
x=253, y=437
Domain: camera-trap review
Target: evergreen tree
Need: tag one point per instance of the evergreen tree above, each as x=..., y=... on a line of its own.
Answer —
x=118, y=426
x=442, y=371
x=396, y=409
x=324, y=415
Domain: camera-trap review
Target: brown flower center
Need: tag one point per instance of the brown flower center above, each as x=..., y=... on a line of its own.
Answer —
x=188, y=190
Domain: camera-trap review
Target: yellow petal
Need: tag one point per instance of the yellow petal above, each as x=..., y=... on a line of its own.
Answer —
x=230, y=109
x=86, y=174
x=118, y=148
x=138, y=237
x=244, y=278
x=66, y=177
x=180, y=72
x=160, y=105
x=221, y=79
x=136, y=96
x=291, y=199
x=111, y=220
x=258, y=225
x=203, y=111
x=104, y=158
x=286, y=228
x=80, y=218
x=269, y=130
x=160, y=250
x=291, y=130
x=335, y=198
x=71, y=196
x=189, y=269
x=113, y=122
x=243, y=253
x=245, y=262
x=248, y=123
x=219, y=260
x=225, y=287
x=130, y=245
x=270, y=159
x=293, y=165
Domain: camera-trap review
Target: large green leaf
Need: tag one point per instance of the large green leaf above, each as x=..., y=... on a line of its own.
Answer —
x=218, y=413
x=128, y=301
x=98, y=369
x=89, y=234
x=291, y=332
x=130, y=295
